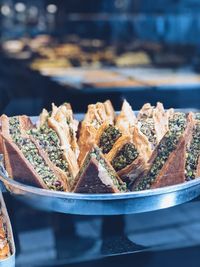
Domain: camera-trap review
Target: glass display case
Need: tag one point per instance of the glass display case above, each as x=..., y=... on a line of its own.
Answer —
x=83, y=52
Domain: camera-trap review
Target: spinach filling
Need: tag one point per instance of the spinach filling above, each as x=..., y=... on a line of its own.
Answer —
x=193, y=154
x=96, y=153
x=49, y=141
x=125, y=156
x=108, y=138
x=148, y=129
x=30, y=152
x=177, y=125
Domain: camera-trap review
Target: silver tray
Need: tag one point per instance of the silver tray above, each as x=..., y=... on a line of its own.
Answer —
x=9, y=261
x=102, y=204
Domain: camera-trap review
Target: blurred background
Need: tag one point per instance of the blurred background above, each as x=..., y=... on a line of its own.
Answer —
x=92, y=50
x=84, y=52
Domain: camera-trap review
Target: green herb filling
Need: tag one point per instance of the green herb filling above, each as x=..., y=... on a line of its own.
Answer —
x=125, y=156
x=108, y=138
x=49, y=141
x=30, y=152
x=168, y=144
x=193, y=154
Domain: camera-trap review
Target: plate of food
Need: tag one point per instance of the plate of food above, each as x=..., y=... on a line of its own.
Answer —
x=7, y=247
x=107, y=163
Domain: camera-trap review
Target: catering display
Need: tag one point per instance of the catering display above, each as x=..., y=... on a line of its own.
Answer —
x=81, y=63
x=105, y=153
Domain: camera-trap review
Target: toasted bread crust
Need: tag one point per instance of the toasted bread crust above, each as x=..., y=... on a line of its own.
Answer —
x=68, y=154
x=42, y=118
x=96, y=115
x=139, y=165
x=161, y=119
x=146, y=110
x=91, y=182
x=110, y=112
x=126, y=119
x=86, y=140
x=64, y=116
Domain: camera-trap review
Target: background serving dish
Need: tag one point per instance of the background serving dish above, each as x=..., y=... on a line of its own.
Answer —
x=9, y=261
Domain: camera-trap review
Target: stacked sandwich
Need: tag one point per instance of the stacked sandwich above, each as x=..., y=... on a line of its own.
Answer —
x=105, y=153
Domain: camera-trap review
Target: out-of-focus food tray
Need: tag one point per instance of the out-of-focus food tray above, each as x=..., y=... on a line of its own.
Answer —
x=10, y=260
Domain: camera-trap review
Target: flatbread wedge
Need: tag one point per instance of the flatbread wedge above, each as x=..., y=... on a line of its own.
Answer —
x=56, y=135
x=97, y=175
x=25, y=161
x=153, y=122
x=130, y=155
x=126, y=119
x=96, y=115
x=167, y=163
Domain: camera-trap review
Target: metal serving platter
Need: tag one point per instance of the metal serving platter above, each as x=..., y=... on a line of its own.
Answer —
x=102, y=204
x=9, y=261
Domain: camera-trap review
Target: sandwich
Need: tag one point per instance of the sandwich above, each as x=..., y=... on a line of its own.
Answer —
x=97, y=175
x=167, y=163
x=25, y=160
x=153, y=122
x=56, y=135
x=192, y=165
x=96, y=115
x=129, y=155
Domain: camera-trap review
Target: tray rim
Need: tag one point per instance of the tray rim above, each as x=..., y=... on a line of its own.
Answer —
x=7, y=181
x=97, y=197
